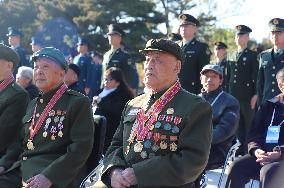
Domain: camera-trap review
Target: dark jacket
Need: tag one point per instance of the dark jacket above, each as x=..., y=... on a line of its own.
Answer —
x=75, y=87
x=261, y=122
x=226, y=112
x=32, y=90
x=111, y=106
x=84, y=63
x=197, y=55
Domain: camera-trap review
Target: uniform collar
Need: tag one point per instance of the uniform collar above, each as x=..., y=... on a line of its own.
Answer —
x=45, y=97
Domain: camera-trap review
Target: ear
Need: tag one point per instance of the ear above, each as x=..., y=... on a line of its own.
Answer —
x=177, y=66
x=10, y=65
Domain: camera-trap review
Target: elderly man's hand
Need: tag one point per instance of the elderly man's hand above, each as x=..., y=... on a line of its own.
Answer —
x=38, y=181
x=269, y=158
x=2, y=169
x=128, y=174
x=117, y=180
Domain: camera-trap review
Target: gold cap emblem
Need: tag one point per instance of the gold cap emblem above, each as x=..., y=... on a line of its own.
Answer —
x=275, y=22
x=239, y=27
x=183, y=17
x=170, y=111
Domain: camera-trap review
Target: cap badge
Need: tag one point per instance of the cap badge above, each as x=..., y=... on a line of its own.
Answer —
x=275, y=22
x=239, y=27
x=183, y=17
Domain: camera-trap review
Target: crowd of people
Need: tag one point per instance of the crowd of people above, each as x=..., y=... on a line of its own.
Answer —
x=189, y=115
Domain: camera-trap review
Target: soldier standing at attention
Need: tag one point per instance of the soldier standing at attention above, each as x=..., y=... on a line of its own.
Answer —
x=57, y=133
x=164, y=136
x=13, y=99
x=36, y=45
x=14, y=40
x=117, y=56
x=83, y=61
x=220, y=52
x=197, y=54
x=271, y=61
x=242, y=83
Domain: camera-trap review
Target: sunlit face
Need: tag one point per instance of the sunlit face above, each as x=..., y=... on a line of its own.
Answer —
x=210, y=81
x=160, y=70
x=277, y=39
x=35, y=47
x=220, y=53
x=14, y=40
x=6, y=68
x=114, y=39
x=110, y=83
x=47, y=74
x=280, y=82
x=241, y=39
x=82, y=49
x=187, y=31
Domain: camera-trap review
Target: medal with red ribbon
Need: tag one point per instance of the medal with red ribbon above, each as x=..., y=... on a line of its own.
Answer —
x=34, y=128
x=6, y=82
x=144, y=121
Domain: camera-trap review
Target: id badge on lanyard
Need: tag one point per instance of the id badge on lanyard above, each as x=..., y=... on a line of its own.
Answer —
x=272, y=135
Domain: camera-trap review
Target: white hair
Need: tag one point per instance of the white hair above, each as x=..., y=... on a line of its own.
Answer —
x=26, y=72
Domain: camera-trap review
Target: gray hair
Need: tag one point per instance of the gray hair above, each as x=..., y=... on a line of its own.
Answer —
x=280, y=75
x=26, y=72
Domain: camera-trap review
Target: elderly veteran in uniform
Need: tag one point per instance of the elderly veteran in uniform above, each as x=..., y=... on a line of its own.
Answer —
x=265, y=144
x=164, y=136
x=226, y=111
x=57, y=135
x=271, y=61
x=13, y=99
x=197, y=54
x=242, y=78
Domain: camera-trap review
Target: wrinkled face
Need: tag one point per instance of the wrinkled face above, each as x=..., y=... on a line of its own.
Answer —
x=110, y=83
x=160, y=70
x=47, y=74
x=210, y=81
x=241, y=39
x=277, y=38
x=220, y=53
x=6, y=67
x=22, y=81
x=187, y=31
x=114, y=39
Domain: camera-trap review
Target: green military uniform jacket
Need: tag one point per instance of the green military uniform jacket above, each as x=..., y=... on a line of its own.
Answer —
x=243, y=75
x=121, y=59
x=61, y=159
x=185, y=144
x=197, y=55
x=13, y=104
x=270, y=64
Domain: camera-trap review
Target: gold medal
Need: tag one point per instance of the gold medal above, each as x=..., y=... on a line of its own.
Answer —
x=44, y=134
x=163, y=145
x=138, y=147
x=60, y=134
x=30, y=145
x=173, y=146
x=52, y=137
x=152, y=127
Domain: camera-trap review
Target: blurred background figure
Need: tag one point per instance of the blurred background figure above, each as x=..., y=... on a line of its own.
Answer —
x=14, y=40
x=36, y=45
x=71, y=78
x=111, y=100
x=174, y=37
x=24, y=78
x=95, y=73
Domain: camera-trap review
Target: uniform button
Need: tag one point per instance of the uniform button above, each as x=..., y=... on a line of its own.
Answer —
x=37, y=115
x=247, y=84
x=235, y=81
x=192, y=83
x=273, y=67
x=273, y=82
x=236, y=70
x=273, y=75
x=41, y=100
x=235, y=76
x=25, y=158
x=272, y=90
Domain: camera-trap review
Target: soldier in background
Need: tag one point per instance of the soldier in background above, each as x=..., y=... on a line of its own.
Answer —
x=220, y=52
x=242, y=78
x=83, y=61
x=36, y=45
x=197, y=54
x=271, y=61
x=14, y=40
x=117, y=56
x=96, y=70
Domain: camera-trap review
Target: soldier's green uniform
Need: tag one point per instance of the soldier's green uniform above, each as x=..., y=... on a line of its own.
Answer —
x=242, y=84
x=13, y=104
x=270, y=63
x=164, y=167
x=197, y=55
x=120, y=58
x=62, y=144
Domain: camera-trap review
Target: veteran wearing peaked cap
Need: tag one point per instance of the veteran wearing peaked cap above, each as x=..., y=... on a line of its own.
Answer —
x=197, y=54
x=242, y=76
x=271, y=61
x=119, y=57
x=13, y=99
x=57, y=131
x=172, y=149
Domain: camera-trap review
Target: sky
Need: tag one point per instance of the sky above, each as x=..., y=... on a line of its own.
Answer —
x=254, y=13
